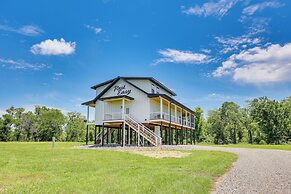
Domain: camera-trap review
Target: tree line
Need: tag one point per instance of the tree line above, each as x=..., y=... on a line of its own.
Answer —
x=262, y=121
x=41, y=125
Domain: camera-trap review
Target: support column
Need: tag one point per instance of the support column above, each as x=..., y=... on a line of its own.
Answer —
x=181, y=115
x=118, y=135
x=187, y=136
x=191, y=130
x=123, y=108
x=128, y=136
x=182, y=136
x=123, y=134
x=95, y=131
x=166, y=136
x=176, y=120
x=87, y=134
x=194, y=126
x=87, y=128
x=102, y=138
x=161, y=131
x=107, y=134
x=138, y=137
x=170, y=127
x=161, y=108
x=176, y=136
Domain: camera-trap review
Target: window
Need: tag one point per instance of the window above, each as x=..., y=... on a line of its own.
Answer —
x=158, y=90
x=127, y=111
x=153, y=88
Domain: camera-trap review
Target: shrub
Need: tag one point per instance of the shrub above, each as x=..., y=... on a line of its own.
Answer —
x=262, y=142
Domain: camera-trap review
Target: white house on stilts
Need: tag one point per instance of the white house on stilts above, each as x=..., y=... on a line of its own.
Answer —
x=138, y=111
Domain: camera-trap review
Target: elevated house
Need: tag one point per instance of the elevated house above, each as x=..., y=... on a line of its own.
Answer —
x=138, y=111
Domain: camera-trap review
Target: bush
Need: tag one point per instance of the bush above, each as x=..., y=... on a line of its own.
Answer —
x=262, y=142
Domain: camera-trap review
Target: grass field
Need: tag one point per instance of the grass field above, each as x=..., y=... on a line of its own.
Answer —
x=275, y=147
x=36, y=168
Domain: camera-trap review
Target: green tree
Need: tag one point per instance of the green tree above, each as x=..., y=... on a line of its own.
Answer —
x=231, y=118
x=199, y=124
x=49, y=123
x=215, y=128
x=226, y=124
x=28, y=126
x=75, y=127
x=16, y=117
x=3, y=132
x=272, y=118
x=7, y=128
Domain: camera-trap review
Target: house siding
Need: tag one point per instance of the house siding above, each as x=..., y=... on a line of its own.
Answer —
x=140, y=102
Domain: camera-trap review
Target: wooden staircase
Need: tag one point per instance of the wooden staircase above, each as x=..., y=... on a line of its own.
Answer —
x=143, y=131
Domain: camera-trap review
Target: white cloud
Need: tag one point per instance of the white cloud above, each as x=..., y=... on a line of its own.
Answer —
x=27, y=30
x=258, y=25
x=259, y=65
x=218, y=9
x=186, y=57
x=21, y=64
x=54, y=47
x=252, y=9
x=95, y=29
x=57, y=75
x=234, y=43
x=250, y=39
x=207, y=51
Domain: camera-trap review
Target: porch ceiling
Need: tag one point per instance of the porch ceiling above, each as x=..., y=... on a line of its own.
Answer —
x=89, y=103
x=112, y=98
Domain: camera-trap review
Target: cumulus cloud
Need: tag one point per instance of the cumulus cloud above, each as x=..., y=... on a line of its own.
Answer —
x=21, y=64
x=95, y=29
x=252, y=9
x=27, y=30
x=259, y=65
x=178, y=56
x=218, y=9
x=54, y=47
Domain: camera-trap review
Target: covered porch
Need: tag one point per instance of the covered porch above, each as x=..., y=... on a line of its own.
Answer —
x=116, y=107
x=166, y=110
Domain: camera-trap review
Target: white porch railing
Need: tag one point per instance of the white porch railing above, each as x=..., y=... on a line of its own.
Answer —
x=157, y=115
x=166, y=116
x=113, y=116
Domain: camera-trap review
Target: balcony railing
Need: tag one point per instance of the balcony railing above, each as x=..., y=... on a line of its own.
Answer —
x=153, y=116
x=157, y=115
x=112, y=116
x=166, y=116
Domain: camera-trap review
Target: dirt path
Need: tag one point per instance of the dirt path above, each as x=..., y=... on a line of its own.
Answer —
x=256, y=170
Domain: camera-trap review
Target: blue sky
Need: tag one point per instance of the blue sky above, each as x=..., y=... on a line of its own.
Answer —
x=208, y=52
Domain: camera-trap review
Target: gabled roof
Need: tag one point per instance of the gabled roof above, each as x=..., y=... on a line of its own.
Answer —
x=103, y=92
x=136, y=78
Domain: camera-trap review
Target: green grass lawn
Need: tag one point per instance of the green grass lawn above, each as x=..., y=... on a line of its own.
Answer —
x=275, y=147
x=36, y=168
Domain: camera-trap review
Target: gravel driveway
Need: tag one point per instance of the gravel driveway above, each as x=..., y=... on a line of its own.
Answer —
x=255, y=171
